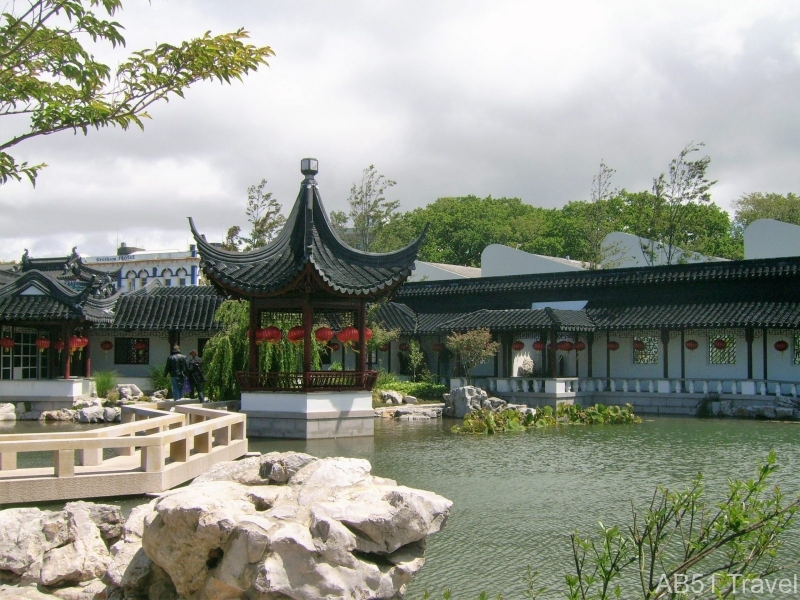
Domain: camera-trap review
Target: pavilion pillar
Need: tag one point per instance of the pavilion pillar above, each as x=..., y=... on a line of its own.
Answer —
x=308, y=326
x=665, y=342
x=589, y=360
x=551, y=354
x=255, y=317
x=748, y=336
x=66, y=353
x=362, y=335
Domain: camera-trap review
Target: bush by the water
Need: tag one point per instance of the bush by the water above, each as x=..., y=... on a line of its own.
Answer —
x=487, y=421
x=104, y=382
x=422, y=390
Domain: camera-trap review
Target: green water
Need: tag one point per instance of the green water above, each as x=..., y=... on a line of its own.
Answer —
x=517, y=497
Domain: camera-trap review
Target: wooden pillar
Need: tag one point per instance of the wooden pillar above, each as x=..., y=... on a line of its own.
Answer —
x=255, y=322
x=665, y=342
x=362, y=342
x=748, y=336
x=551, y=354
x=765, y=353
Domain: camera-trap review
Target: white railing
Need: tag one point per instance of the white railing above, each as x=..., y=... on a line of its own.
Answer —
x=639, y=385
x=167, y=442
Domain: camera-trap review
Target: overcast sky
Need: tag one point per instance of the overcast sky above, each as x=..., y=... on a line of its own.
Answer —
x=508, y=98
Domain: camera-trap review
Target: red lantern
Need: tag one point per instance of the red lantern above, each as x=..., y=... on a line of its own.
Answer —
x=612, y=345
x=720, y=344
x=367, y=334
x=781, y=346
x=106, y=345
x=639, y=345
x=261, y=336
x=404, y=347
x=539, y=345
x=334, y=346
x=296, y=334
x=348, y=334
x=579, y=346
x=140, y=345
x=272, y=334
x=6, y=343
x=42, y=343
x=59, y=346
x=73, y=343
x=691, y=345
x=323, y=335
x=564, y=346
x=518, y=345
x=384, y=348
x=84, y=342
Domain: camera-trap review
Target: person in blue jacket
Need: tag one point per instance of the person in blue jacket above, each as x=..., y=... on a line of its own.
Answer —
x=176, y=370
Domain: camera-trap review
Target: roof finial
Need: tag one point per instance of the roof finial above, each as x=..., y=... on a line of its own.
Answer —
x=309, y=167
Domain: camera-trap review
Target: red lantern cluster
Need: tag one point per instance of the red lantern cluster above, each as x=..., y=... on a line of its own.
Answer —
x=6, y=344
x=518, y=345
x=564, y=346
x=296, y=334
x=579, y=346
x=613, y=345
x=323, y=335
x=691, y=345
x=720, y=344
x=539, y=345
x=77, y=342
x=106, y=345
x=781, y=346
x=639, y=345
x=42, y=343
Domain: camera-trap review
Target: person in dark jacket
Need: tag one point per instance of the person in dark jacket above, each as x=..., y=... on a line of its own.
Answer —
x=176, y=370
x=195, y=373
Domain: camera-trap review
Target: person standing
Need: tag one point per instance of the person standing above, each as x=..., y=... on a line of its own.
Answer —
x=195, y=372
x=176, y=370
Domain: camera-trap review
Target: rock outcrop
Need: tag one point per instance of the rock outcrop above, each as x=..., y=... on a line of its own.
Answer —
x=281, y=525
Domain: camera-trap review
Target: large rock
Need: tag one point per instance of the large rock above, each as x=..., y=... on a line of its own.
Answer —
x=62, y=414
x=391, y=397
x=331, y=530
x=462, y=401
x=91, y=414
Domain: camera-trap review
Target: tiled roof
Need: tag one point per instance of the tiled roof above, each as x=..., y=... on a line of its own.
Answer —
x=744, y=271
x=36, y=296
x=734, y=314
x=168, y=308
x=399, y=316
x=521, y=320
x=306, y=241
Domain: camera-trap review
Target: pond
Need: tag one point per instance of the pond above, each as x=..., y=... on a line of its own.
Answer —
x=517, y=497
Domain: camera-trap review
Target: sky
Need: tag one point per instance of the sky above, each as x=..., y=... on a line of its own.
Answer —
x=507, y=98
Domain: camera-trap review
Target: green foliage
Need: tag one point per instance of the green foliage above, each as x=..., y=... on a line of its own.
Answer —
x=51, y=79
x=264, y=214
x=370, y=211
x=422, y=390
x=472, y=348
x=159, y=381
x=335, y=366
x=757, y=205
x=486, y=421
x=104, y=382
x=682, y=546
x=416, y=358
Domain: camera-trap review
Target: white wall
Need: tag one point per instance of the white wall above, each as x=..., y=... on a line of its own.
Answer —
x=497, y=260
x=425, y=271
x=625, y=250
x=767, y=238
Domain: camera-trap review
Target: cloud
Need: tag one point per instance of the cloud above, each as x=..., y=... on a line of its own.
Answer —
x=508, y=98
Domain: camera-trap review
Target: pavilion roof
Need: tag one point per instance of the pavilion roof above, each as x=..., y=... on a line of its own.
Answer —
x=68, y=269
x=38, y=296
x=307, y=243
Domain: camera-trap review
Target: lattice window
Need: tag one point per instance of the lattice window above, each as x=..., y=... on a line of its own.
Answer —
x=721, y=350
x=131, y=351
x=648, y=355
x=796, y=359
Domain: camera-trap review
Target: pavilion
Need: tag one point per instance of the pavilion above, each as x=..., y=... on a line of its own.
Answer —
x=308, y=281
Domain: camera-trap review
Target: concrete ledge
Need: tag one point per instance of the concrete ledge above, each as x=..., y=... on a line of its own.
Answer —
x=351, y=414
x=307, y=428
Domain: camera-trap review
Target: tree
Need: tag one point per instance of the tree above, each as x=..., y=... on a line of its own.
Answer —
x=750, y=207
x=597, y=224
x=49, y=78
x=370, y=211
x=472, y=348
x=674, y=194
x=263, y=214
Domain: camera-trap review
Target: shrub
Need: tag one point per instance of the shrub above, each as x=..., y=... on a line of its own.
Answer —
x=105, y=381
x=159, y=381
x=113, y=398
x=422, y=390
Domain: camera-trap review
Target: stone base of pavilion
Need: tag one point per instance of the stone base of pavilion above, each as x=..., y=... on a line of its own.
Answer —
x=309, y=415
x=51, y=394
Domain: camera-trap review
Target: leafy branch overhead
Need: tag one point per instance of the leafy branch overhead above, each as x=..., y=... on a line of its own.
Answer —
x=49, y=79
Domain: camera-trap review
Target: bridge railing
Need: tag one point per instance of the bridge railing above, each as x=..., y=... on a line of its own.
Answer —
x=312, y=381
x=165, y=440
